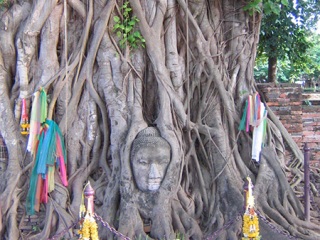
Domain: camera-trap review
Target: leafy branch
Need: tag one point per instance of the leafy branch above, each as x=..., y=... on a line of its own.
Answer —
x=269, y=6
x=125, y=28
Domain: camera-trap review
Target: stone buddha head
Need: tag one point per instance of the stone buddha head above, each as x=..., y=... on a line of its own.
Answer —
x=150, y=157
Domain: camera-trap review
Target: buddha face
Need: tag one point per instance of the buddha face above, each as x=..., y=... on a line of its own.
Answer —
x=149, y=166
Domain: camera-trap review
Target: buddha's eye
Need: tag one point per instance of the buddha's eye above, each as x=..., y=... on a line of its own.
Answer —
x=165, y=161
x=143, y=162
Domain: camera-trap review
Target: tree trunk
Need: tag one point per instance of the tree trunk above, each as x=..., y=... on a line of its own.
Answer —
x=272, y=69
x=148, y=96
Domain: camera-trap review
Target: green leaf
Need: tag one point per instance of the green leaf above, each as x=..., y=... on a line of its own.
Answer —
x=125, y=26
x=137, y=34
x=131, y=38
x=285, y=2
x=128, y=29
x=267, y=8
x=123, y=41
x=134, y=46
x=116, y=26
x=132, y=23
x=276, y=9
x=253, y=6
x=125, y=5
x=116, y=19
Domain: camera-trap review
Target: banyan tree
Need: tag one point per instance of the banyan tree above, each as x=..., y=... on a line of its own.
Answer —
x=135, y=91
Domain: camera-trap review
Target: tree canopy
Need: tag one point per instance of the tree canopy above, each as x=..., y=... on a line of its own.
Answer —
x=284, y=36
x=289, y=72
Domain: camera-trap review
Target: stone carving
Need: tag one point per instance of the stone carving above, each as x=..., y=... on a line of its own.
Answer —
x=150, y=157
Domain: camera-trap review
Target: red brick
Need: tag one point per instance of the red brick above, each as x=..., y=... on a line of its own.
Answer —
x=273, y=104
x=296, y=103
x=308, y=140
x=311, y=139
x=307, y=128
x=281, y=100
x=308, y=133
x=296, y=112
x=296, y=107
x=293, y=128
x=309, y=124
x=310, y=115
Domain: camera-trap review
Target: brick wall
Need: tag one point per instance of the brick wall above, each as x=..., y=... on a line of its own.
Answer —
x=311, y=131
x=302, y=121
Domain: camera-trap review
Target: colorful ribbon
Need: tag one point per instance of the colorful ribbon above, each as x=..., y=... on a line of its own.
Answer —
x=47, y=147
x=51, y=156
x=38, y=116
x=254, y=118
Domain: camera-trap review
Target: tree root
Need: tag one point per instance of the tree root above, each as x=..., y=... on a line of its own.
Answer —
x=282, y=206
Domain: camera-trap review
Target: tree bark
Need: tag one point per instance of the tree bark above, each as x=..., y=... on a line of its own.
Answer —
x=272, y=69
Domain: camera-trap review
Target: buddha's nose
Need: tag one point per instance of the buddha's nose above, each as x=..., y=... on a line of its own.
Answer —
x=154, y=171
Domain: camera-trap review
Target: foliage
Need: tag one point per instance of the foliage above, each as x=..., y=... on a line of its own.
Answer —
x=288, y=71
x=280, y=35
x=125, y=28
x=284, y=36
x=269, y=7
x=253, y=6
x=310, y=11
x=179, y=236
x=284, y=70
x=274, y=7
x=313, y=70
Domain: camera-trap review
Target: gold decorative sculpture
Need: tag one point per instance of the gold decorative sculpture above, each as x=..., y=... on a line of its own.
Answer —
x=250, y=218
x=88, y=227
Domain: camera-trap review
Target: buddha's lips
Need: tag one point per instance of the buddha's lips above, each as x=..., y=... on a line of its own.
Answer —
x=154, y=184
x=154, y=181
